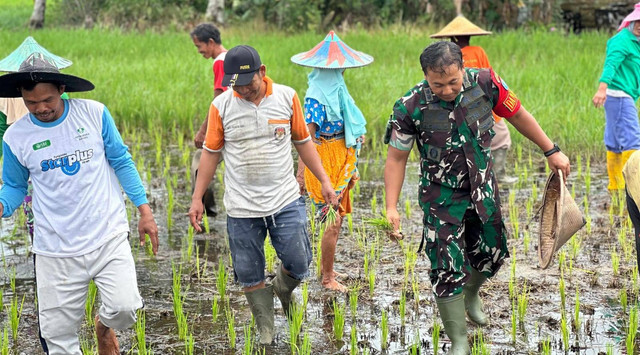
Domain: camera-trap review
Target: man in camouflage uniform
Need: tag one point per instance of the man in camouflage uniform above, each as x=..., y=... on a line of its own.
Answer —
x=449, y=115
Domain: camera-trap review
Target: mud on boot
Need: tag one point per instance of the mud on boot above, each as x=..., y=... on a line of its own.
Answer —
x=261, y=305
x=283, y=285
x=472, y=300
x=455, y=323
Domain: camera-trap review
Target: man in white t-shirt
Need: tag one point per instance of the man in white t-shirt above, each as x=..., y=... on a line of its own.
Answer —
x=77, y=162
x=253, y=127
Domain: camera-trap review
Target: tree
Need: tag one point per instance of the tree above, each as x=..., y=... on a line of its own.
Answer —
x=215, y=11
x=37, y=17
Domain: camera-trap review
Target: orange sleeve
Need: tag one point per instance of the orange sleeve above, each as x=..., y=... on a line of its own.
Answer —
x=299, y=129
x=214, y=140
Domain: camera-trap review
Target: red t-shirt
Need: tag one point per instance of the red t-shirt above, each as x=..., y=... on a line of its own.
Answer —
x=218, y=72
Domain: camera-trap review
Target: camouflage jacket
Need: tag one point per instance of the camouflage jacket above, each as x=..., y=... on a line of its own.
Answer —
x=454, y=140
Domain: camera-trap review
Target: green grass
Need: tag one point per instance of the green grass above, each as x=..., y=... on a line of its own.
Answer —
x=152, y=79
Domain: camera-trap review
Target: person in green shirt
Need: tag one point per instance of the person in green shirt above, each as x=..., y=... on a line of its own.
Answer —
x=618, y=91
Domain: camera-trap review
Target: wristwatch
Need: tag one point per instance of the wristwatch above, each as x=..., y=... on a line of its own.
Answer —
x=552, y=151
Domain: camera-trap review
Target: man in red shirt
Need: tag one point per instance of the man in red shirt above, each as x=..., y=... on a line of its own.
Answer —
x=206, y=38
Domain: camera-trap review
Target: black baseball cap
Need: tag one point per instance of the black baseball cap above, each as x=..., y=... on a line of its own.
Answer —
x=240, y=65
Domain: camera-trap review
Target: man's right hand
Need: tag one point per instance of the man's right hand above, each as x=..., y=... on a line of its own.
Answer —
x=394, y=218
x=198, y=140
x=195, y=214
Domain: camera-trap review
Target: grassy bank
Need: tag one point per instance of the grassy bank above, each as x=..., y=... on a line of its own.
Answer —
x=156, y=80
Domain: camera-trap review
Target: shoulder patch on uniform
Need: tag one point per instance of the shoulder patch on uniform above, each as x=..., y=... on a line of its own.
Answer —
x=510, y=101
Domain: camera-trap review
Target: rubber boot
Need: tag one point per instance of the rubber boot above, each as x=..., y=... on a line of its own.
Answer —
x=283, y=285
x=614, y=169
x=455, y=324
x=472, y=301
x=261, y=304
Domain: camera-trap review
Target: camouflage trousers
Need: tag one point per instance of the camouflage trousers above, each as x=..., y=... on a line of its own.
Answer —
x=453, y=250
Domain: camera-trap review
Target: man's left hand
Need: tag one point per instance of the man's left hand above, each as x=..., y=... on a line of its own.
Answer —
x=147, y=225
x=559, y=161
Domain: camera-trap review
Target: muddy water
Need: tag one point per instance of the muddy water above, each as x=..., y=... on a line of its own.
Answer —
x=602, y=320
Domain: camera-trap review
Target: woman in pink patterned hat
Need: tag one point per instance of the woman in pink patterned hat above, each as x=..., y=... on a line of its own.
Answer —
x=618, y=91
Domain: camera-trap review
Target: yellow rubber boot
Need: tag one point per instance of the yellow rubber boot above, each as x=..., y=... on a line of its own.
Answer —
x=614, y=169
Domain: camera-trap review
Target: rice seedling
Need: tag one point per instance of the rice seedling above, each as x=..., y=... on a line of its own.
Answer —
x=435, y=336
x=338, y=320
x=623, y=300
x=90, y=302
x=15, y=313
x=380, y=223
x=318, y=256
x=231, y=331
x=158, y=146
x=215, y=308
x=576, y=312
x=564, y=329
x=350, y=223
x=609, y=349
x=305, y=347
x=140, y=327
x=407, y=208
x=305, y=295
x=178, y=302
x=632, y=330
x=634, y=280
x=384, y=329
x=205, y=222
x=269, y=254
x=587, y=177
x=221, y=280
x=374, y=203
x=187, y=252
x=546, y=347
x=353, y=343
x=512, y=276
x=4, y=350
x=402, y=307
x=189, y=344
x=415, y=345
x=562, y=260
x=296, y=315
x=514, y=323
x=415, y=287
x=353, y=301
x=248, y=340
x=562, y=294
x=372, y=281
x=311, y=219
x=578, y=166
x=170, y=204
x=479, y=346
x=88, y=346
x=526, y=241
x=523, y=302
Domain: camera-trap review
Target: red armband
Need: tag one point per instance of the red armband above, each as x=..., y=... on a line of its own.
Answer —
x=508, y=104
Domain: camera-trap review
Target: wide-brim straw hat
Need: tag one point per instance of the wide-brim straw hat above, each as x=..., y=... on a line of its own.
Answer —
x=559, y=221
x=633, y=16
x=12, y=62
x=460, y=26
x=332, y=53
x=38, y=68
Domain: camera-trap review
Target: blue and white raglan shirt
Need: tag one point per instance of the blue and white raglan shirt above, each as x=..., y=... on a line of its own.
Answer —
x=76, y=164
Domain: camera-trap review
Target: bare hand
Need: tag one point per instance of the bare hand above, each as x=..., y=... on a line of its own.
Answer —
x=599, y=98
x=329, y=194
x=195, y=214
x=198, y=140
x=559, y=161
x=394, y=218
x=147, y=225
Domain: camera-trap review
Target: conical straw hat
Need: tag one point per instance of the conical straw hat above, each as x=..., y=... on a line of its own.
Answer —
x=559, y=221
x=460, y=26
x=332, y=53
x=29, y=46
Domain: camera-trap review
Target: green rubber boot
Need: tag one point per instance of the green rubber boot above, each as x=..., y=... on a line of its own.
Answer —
x=283, y=285
x=455, y=324
x=472, y=301
x=261, y=304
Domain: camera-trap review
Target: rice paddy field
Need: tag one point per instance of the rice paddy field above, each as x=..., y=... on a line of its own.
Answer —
x=158, y=89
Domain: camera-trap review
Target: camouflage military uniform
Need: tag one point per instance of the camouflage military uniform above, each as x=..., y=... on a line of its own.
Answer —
x=458, y=192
